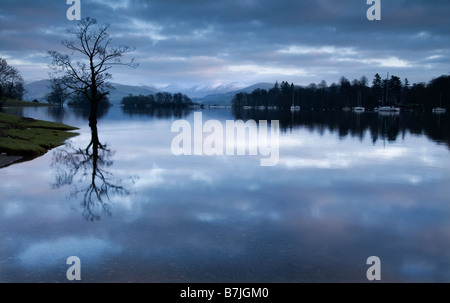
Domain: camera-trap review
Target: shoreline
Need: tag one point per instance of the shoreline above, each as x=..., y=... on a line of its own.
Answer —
x=24, y=138
x=11, y=103
x=6, y=160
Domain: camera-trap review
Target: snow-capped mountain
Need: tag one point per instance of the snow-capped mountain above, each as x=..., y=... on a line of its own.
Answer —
x=200, y=91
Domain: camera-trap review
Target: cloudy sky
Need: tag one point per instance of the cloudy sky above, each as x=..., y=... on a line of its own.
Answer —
x=199, y=42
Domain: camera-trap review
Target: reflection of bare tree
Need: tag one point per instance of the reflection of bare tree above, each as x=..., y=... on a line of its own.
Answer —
x=88, y=167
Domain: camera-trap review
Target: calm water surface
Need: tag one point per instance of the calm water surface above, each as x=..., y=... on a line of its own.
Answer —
x=346, y=187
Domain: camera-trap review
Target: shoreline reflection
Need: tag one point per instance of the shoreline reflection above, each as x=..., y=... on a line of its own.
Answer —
x=382, y=126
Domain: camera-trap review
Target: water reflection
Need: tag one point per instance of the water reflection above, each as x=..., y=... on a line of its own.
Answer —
x=84, y=111
x=159, y=112
x=92, y=164
x=57, y=113
x=330, y=203
x=381, y=126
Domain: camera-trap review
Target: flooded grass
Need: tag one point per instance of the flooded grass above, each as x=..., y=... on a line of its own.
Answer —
x=29, y=137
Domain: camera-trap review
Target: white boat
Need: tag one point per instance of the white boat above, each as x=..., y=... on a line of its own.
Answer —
x=439, y=109
x=294, y=107
x=383, y=108
x=359, y=108
x=388, y=109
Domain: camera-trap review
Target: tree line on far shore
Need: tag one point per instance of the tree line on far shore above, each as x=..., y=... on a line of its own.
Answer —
x=382, y=92
x=390, y=92
x=160, y=99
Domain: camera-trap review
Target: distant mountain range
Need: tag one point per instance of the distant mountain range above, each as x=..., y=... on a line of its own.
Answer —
x=209, y=94
x=200, y=91
x=225, y=98
x=38, y=89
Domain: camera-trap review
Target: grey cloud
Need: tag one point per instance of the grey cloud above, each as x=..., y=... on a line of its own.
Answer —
x=172, y=37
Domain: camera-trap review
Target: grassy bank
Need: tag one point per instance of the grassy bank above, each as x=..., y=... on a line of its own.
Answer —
x=30, y=138
x=20, y=103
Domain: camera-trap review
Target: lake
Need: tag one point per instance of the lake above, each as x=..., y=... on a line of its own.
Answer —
x=347, y=186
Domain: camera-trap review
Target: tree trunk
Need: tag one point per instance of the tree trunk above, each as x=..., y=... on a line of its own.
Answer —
x=95, y=142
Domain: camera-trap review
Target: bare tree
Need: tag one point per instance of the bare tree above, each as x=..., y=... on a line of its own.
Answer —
x=89, y=76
